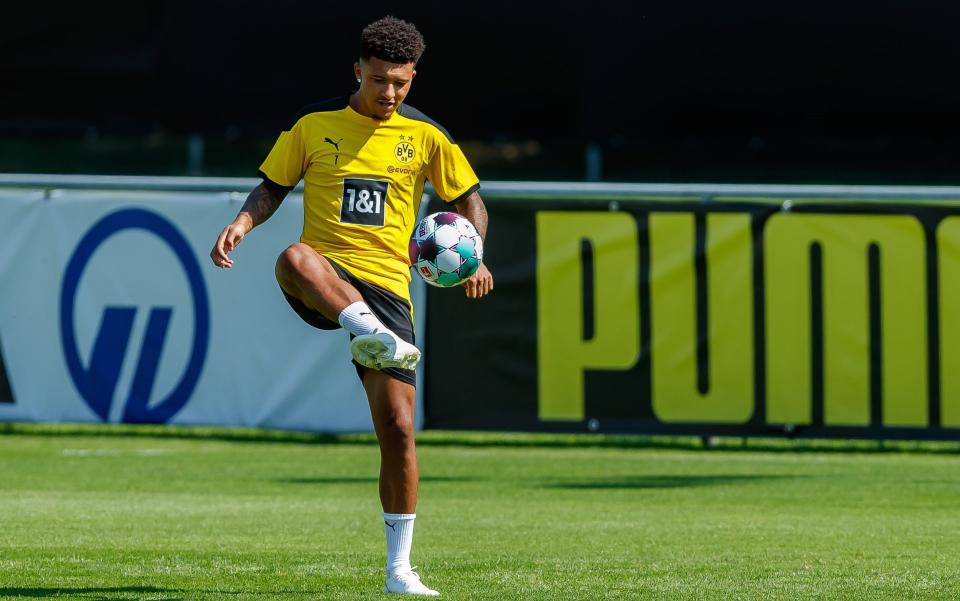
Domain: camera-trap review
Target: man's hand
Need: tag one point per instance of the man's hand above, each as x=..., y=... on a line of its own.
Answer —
x=259, y=206
x=228, y=240
x=480, y=284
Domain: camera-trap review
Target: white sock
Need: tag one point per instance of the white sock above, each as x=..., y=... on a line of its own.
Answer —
x=358, y=319
x=399, y=529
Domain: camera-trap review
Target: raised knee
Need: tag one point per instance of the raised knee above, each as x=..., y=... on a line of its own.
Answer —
x=292, y=261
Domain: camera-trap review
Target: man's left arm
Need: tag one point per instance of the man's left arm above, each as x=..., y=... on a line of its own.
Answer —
x=480, y=284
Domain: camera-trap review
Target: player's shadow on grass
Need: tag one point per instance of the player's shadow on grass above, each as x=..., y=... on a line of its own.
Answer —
x=662, y=481
x=366, y=479
x=93, y=593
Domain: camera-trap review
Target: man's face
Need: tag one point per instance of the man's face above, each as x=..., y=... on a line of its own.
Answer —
x=383, y=86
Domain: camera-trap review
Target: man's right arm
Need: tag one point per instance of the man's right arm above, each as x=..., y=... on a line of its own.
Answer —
x=261, y=203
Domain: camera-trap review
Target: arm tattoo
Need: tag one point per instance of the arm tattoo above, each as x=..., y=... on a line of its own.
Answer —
x=472, y=208
x=262, y=202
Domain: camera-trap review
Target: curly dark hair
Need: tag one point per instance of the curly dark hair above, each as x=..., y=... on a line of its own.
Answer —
x=393, y=40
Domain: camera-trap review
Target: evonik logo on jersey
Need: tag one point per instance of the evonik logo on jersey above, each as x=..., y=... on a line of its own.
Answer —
x=97, y=381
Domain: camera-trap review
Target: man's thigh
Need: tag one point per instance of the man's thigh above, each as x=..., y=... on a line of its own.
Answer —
x=389, y=308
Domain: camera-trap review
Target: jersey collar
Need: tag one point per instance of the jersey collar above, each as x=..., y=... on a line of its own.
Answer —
x=354, y=115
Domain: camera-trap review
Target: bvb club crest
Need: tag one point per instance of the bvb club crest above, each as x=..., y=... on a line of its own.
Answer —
x=404, y=152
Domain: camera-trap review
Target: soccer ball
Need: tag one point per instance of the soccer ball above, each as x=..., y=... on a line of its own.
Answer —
x=445, y=249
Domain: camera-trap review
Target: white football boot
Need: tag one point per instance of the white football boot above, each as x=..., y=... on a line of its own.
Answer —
x=384, y=349
x=407, y=583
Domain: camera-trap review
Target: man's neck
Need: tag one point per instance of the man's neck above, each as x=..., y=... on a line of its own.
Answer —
x=355, y=105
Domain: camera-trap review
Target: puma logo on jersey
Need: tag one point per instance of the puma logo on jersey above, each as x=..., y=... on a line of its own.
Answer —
x=336, y=145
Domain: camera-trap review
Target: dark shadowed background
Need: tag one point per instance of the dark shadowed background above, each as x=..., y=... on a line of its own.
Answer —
x=819, y=92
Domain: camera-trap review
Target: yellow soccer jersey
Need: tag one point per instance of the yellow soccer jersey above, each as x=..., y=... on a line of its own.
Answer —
x=363, y=179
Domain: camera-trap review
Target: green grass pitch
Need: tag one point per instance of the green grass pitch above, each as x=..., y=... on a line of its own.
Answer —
x=110, y=513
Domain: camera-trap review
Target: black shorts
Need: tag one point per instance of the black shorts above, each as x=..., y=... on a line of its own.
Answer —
x=391, y=309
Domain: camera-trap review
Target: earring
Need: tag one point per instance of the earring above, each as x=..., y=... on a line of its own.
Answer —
x=358, y=80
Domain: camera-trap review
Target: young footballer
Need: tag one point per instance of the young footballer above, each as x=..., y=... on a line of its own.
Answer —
x=364, y=159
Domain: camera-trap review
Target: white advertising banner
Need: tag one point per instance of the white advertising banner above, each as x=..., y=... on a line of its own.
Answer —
x=111, y=311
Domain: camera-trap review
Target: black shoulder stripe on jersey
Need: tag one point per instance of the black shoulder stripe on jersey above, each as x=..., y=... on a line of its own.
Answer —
x=269, y=182
x=411, y=113
x=463, y=196
x=333, y=104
